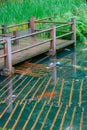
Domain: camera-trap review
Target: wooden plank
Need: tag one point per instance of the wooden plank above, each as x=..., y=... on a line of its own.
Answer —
x=38, y=116
x=61, y=90
x=8, y=82
x=10, y=116
x=30, y=90
x=44, y=121
x=10, y=86
x=80, y=93
x=33, y=96
x=23, y=88
x=52, y=91
x=81, y=120
x=71, y=93
x=72, y=119
x=5, y=80
x=18, y=118
x=45, y=89
x=55, y=118
x=62, y=122
x=3, y=112
x=15, y=89
x=29, y=116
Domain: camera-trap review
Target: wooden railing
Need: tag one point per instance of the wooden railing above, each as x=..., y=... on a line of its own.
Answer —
x=7, y=40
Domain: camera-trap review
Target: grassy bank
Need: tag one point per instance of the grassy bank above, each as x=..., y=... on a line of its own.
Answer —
x=16, y=11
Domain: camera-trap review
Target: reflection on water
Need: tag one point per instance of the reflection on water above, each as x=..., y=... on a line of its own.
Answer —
x=63, y=66
x=69, y=67
x=54, y=69
x=9, y=100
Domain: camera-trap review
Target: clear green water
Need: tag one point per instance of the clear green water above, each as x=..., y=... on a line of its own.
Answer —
x=70, y=64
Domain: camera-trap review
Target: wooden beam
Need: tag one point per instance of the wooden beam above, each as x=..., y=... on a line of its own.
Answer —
x=44, y=89
x=7, y=50
x=61, y=90
x=55, y=118
x=81, y=120
x=5, y=80
x=8, y=82
x=62, y=122
x=4, y=29
x=80, y=93
x=29, y=116
x=38, y=116
x=18, y=118
x=53, y=41
x=30, y=90
x=15, y=89
x=73, y=20
x=10, y=86
x=23, y=88
x=72, y=119
x=3, y=112
x=10, y=116
x=52, y=91
x=15, y=34
x=33, y=96
x=44, y=121
x=71, y=93
x=32, y=24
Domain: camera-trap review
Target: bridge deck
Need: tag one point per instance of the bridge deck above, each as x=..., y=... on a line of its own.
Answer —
x=29, y=53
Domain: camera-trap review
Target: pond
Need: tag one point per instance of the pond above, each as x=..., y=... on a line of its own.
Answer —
x=46, y=92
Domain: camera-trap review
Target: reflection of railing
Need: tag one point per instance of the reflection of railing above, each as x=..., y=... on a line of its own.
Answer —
x=7, y=40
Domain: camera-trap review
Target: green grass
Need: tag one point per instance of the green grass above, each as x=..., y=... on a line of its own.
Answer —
x=16, y=11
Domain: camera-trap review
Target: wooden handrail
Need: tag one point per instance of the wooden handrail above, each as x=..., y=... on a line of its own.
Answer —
x=24, y=23
x=52, y=22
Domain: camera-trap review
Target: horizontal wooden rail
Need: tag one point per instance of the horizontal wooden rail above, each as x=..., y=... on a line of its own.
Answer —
x=28, y=47
x=44, y=18
x=32, y=34
x=24, y=23
x=12, y=26
x=64, y=25
x=21, y=24
x=52, y=22
x=67, y=31
x=2, y=56
x=64, y=35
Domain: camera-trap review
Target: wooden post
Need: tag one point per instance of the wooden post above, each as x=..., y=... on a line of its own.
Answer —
x=7, y=50
x=15, y=34
x=4, y=29
x=74, y=60
x=28, y=24
x=54, y=69
x=73, y=20
x=32, y=24
x=53, y=41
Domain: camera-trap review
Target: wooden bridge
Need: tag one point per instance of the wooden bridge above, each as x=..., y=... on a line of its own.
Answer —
x=37, y=36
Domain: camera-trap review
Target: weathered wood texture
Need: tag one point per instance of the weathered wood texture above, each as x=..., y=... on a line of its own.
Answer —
x=29, y=53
